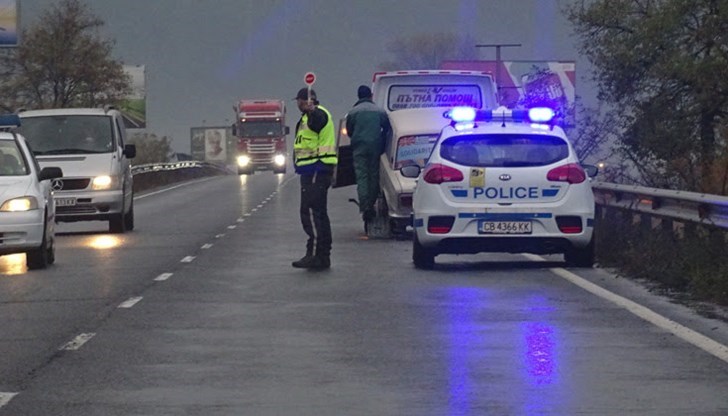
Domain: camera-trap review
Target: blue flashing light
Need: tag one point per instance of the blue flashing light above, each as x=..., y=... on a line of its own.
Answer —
x=461, y=114
x=9, y=121
x=541, y=114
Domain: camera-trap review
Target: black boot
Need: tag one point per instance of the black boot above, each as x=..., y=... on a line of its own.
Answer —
x=320, y=262
x=304, y=262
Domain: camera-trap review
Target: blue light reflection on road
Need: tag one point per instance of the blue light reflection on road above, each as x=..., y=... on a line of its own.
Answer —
x=540, y=359
x=464, y=336
x=534, y=340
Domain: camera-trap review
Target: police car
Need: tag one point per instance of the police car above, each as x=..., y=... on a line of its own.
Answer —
x=27, y=211
x=502, y=181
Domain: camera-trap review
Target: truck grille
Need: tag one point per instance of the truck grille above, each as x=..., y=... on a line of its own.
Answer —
x=266, y=148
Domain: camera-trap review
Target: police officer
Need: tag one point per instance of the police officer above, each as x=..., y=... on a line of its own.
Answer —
x=314, y=153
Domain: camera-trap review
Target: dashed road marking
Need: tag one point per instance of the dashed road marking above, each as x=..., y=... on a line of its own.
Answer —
x=130, y=302
x=187, y=259
x=6, y=397
x=220, y=236
x=254, y=209
x=77, y=342
x=231, y=227
x=206, y=246
x=163, y=276
x=247, y=215
x=240, y=219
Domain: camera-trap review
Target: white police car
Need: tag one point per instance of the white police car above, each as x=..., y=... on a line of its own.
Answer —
x=27, y=211
x=502, y=181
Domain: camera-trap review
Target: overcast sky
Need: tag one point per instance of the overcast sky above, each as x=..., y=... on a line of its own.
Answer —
x=203, y=55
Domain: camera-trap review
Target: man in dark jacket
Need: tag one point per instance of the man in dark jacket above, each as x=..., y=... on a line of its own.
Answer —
x=368, y=127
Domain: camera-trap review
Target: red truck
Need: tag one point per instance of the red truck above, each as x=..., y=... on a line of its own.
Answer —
x=260, y=129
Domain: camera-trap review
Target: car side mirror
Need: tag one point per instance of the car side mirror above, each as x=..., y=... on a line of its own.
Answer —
x=286, y=130
x=411, y=171
x=130, y=151
x=50, y=173
x=591, y=170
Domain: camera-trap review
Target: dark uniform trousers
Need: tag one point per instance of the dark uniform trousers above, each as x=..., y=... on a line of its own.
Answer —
x=314, y=214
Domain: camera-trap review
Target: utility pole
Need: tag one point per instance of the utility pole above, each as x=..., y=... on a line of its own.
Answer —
x=498, y=47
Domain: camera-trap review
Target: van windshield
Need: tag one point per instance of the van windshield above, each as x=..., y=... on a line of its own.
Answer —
x=68, y=134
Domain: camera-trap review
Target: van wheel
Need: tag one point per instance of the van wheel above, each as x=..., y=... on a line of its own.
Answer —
x=422, y=257
x=40, y=257
x=580, y=257
x=129, y=217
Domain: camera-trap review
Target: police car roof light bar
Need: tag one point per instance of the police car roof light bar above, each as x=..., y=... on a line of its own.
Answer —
x=9, y=121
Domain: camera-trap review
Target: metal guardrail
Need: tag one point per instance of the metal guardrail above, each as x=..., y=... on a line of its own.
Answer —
x=172, y=166
x=678, y=205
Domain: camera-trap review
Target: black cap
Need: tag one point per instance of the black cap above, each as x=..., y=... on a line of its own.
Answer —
x=303, y=94
x=364, y=92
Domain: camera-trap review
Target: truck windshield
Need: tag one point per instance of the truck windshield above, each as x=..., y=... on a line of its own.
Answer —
x=260, y=129
x=68, y=134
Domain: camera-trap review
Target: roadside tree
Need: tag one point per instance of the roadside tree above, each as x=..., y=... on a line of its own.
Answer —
x=62, y=61
x=660, y=67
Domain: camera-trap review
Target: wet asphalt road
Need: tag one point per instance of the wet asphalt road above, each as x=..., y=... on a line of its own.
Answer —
x=229, y=328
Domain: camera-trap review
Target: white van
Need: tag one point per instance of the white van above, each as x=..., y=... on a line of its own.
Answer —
x=415, y=102
x=89, y=145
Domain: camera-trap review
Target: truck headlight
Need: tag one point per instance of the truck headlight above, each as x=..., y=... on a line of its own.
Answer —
x=25, y=203
x=102, y=183
x=243, y=161
x=279, y=160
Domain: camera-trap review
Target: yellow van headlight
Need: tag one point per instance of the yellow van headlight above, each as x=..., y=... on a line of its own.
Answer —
x=103, y=183
x=25, y=203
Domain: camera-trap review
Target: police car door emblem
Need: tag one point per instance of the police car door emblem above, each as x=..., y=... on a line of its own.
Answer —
x=57, y=184
x=505, y=177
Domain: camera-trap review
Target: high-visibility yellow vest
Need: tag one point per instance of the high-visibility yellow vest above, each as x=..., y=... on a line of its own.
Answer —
x=310, y=147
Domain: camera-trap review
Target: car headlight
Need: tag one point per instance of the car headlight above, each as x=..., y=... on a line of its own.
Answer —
x=103, y=183
x=25, y=203
x=243, y=160
x=279, y=160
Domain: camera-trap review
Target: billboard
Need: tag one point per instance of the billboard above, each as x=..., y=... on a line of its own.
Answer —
x=8, y=23
x=552, y=80
x=134, y=107
x=212, y=144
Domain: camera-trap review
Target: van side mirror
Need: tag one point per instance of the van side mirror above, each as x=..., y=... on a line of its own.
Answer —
x=411, y=171
x=591, y=170
x=50, y=173
x=130, y=151
x=286, y=130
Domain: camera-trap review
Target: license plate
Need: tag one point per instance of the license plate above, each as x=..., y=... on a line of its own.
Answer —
x=65, y=202
x=504, y=227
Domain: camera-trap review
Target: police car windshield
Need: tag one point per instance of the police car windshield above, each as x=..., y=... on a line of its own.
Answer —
x=260, y=129
x=65, y=134
x=504, y=150
x=12, y=162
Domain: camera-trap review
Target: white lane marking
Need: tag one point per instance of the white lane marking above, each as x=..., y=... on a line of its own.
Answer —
x=78, y=342
x=187, y=259
x=206, y=246
x=220, y=236
x=163, y=277
x=247, y=215
x=254, y=209
x=231, y=227
x=130, y=302
x=699, y=340
x=260, y=206
x=6, y=397
x=171, y=188
x=267, y=199
x=240, y=219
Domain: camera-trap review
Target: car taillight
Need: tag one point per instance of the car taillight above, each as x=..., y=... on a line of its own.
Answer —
x=437, y=174
x=569, y=224
x=572, y=173
x=440, y=224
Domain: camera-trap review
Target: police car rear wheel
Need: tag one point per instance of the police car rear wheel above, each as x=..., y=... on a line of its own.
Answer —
x=422, y=257
x=580, y=256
